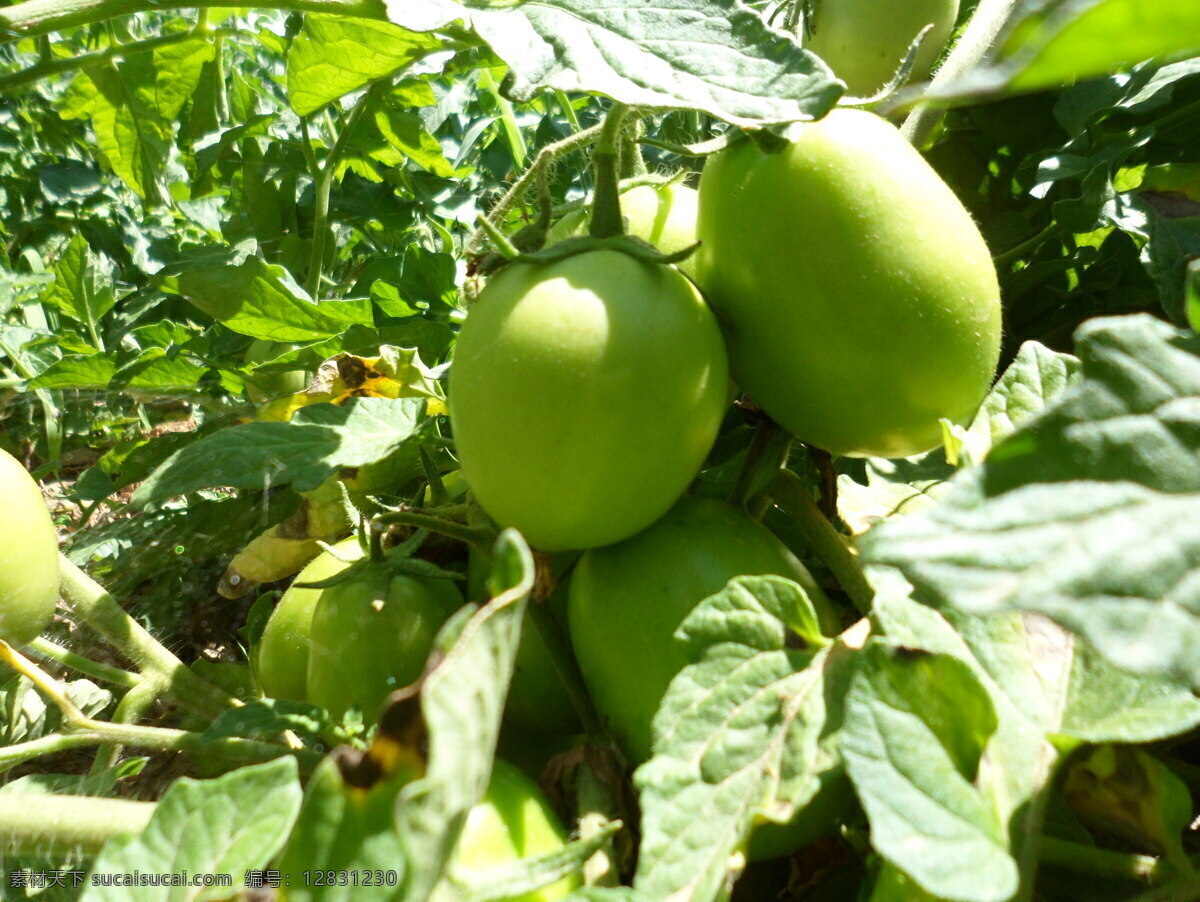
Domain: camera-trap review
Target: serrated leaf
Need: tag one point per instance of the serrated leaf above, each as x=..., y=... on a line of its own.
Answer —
x=715, y=56
x=745, y=735
x=76, y=372
x=1087, y=514
x=462, y=700
x=914, y=770
x=1049, y=692
x=336, y=55
x=224, y=826
x=77, y=290
x=315, y=444
x=259, y=299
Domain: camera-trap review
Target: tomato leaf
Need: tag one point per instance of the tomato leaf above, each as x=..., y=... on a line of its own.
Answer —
x=746, y=734
x=224, y=826
x=313, y=445
x=715, y=56
x=1087, y=514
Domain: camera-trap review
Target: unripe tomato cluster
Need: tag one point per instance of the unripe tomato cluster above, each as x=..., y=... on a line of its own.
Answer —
x=28, y=556
x=858, y=307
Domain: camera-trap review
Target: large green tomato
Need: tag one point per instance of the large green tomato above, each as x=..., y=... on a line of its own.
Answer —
x=513, y=821
x=28, y=556
x=663, y=215
x=865, y=41
x=627, y=600
x=372, y=635
x=281, y=657
x=262, y=387
x=585, y=395
x=861, y=301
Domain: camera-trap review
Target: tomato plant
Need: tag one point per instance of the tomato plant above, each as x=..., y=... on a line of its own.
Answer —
x=865, y=41
x=372, y=635
x=634, y=595
x=859, y=337
x=28, y=555
x=281, y=657
x=560, y=372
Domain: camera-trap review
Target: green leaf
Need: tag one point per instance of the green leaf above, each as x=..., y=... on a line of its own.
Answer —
x=258, y=299
x=1086, y=514
x=1064, y=41
x=76, y=372
x=79, y=290
x=916, y=727
x=335, y=55
x=317, y=442
x=132, y=106
x=746, y=735
x=462, y=700
x=715, y=56
x=225, y=826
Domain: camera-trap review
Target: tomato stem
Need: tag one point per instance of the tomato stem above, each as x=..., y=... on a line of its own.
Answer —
x=91, y=604
x=606, y=157
x=52, y=651
x=563, y=658
x=790, y=493
x=47, y=824
x=768, y=453
x=481, y=537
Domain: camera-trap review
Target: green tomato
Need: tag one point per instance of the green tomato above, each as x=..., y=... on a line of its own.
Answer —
x=877, y=314
x=28, y=556
x=585, y=395
x=663, y=215
x=372, y=635
x=627, y=600
x=865, y=41
x=262, y=387
x=281, y=657
x=513, y=821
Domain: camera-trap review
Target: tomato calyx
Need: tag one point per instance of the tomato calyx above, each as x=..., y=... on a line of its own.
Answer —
x=384, y=565
x=626, y=244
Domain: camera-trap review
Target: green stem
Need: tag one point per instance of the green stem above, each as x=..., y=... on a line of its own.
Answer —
x=508, y=119
x=556, y=642
x=791, y=495
x=568, y=111
x=45, y=69
x=768, y=452
x=480, y=537
x=544, y=157
x=1182, y=890
x=52, y=651
x=606, y=158
x=36, y=17
x=1091, y=860
x=136, y=702
x=1015, y=253
x=50, y=825
x=99, y=610
x=324, y=184
x=976, y=42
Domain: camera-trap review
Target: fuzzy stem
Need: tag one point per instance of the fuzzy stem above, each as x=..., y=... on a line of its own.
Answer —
x=324, y=184
x=1091, y=860
x=473, y=535
x=556, y=642
x=36, y=17
x=91, y=604
x=52, y=651
x=606, y=157
x=977, y=40
x=790, y=494
x=51, y=825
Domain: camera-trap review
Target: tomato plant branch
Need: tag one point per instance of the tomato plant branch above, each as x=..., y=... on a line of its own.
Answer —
x=37, y=17
x=478, y=536
x=50, y=67
x=567, y=667
x=606, y=161
x=508, y=119
x=516, y=192
x=52, y=651
x=1092, y=860
x=324, y=183
x=768, y=452
x=791, y=495
x=99, y=610
x=48, y=824
x=977, y=40
x=130, y=709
